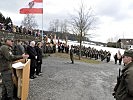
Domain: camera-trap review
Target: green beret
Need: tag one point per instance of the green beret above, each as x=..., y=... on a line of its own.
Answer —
x=128, y=53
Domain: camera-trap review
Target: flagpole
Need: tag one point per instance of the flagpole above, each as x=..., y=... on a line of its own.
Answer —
x=42, y=27
x=42, y=21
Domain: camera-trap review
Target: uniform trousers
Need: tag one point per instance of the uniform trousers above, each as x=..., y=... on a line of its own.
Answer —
x=7, y=84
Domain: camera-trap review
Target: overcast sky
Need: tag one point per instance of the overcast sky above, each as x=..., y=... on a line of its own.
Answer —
x=115, y=17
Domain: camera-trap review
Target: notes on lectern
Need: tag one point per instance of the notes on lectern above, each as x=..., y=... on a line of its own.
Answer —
x=18, y=65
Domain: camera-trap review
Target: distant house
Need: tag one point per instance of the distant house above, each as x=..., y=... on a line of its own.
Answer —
x=125, y=43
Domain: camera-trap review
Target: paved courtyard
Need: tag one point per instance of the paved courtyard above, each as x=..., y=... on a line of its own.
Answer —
x=62, y=80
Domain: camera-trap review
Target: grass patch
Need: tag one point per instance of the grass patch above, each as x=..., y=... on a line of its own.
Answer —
x=45, y=55
x=83, y=59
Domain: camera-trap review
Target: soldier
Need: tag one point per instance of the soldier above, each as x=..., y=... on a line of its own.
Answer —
x=6, y=69
x=71, y=54
x=124, y=87
x=108, y=56
x=19, y=48
x=115, y=58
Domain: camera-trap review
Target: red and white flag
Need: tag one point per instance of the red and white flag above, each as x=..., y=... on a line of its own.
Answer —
x=37, y=0
x=34, y=7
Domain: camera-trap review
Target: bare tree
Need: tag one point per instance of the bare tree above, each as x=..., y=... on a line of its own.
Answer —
x=64, y=26
x=54, y=25
x=113, y=39
x=82, y=23
x=57, y=25
x=29, y=22
x=51, y=26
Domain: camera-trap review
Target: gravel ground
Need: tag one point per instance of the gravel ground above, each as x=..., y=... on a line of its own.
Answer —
x=62, y=80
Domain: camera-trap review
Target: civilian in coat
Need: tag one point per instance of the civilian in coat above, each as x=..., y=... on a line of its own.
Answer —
x=39, y=58
x=33, y=56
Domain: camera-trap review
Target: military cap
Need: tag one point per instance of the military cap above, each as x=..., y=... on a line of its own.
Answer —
x=9, y=38
x=128, y=53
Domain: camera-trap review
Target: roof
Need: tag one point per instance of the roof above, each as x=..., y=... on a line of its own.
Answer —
x=126, y=41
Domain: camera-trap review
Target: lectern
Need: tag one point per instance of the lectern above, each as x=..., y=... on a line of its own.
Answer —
x=22, y=72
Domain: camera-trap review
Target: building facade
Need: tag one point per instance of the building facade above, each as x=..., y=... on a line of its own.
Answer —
x=125, y=43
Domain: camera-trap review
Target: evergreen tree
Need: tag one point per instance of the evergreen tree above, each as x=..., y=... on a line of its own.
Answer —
x=2, y=18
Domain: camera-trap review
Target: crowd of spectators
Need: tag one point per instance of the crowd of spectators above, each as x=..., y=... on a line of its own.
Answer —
x=20, y=29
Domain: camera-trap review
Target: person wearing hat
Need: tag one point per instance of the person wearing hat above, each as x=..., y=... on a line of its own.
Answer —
x=124, y=87
x=6, y=61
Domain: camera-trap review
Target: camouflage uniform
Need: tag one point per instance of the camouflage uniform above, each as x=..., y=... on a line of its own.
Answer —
x=124, y=87
x=71, y=55
x=6, y=71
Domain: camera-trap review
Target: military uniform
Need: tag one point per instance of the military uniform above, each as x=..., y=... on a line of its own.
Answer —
x=6, y=71
x=71, y=55
x=124, y=87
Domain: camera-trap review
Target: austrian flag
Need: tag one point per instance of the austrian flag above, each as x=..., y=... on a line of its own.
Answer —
x=34, y=7
x=37, y=0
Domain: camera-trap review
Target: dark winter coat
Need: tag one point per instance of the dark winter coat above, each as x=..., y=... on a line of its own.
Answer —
x=124, y=87
x=39, y=54
x=32, y=55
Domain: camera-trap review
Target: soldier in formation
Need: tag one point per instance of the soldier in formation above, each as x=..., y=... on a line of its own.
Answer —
x=93, y=53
